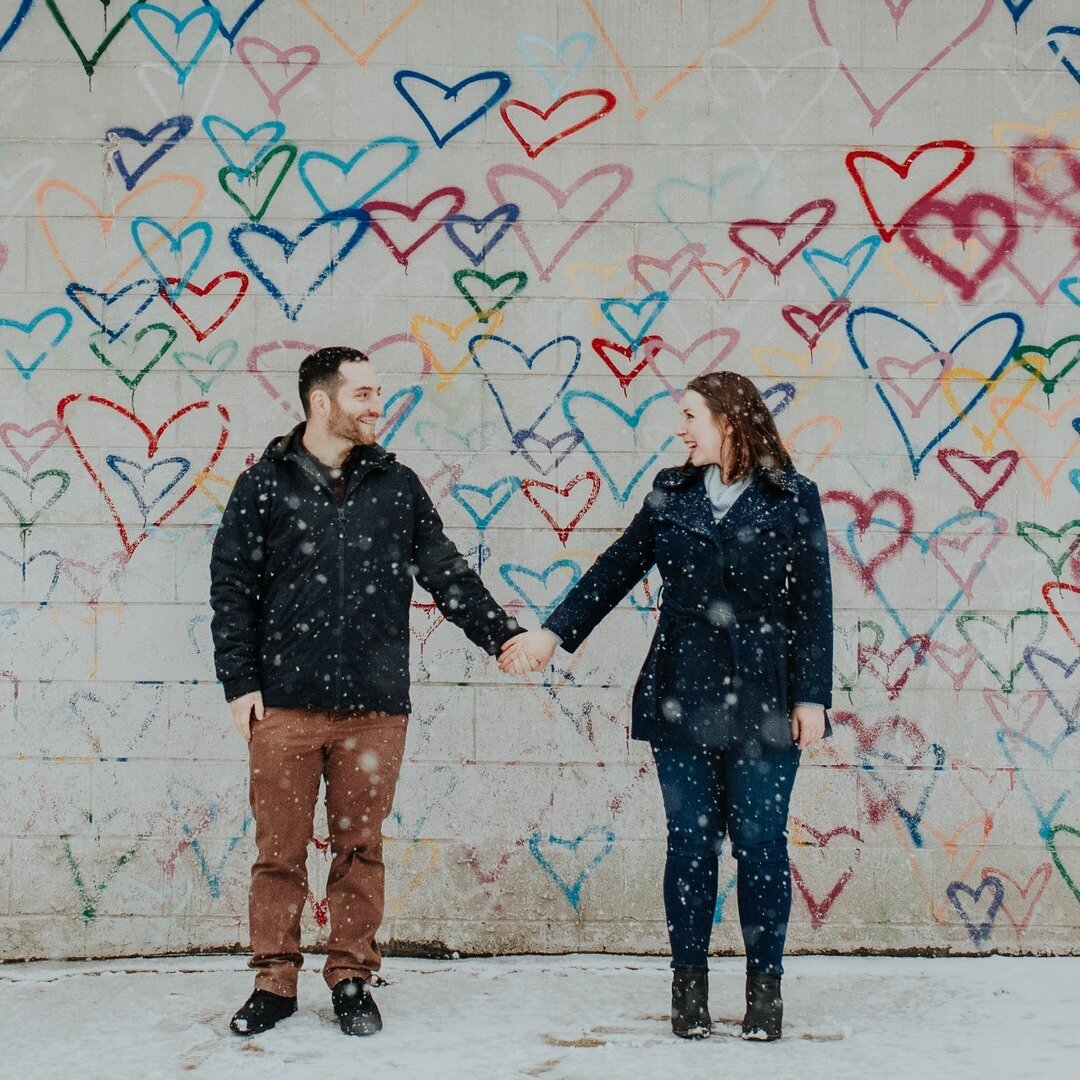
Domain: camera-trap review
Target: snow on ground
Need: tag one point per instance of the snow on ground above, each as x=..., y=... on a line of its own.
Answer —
x=558, y=1018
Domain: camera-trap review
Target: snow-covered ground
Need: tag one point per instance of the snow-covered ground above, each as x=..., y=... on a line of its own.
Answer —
x=560, y=1018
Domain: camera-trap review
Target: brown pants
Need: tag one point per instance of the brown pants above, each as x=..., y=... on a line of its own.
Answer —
x=291, y=750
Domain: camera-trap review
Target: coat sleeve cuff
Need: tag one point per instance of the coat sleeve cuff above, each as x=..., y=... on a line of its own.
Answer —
x=235, y=688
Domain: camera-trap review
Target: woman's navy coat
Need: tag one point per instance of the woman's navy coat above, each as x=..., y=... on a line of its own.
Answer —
x=745, y=629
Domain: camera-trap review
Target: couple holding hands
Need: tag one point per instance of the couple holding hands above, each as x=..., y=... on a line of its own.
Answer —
x=312, y=576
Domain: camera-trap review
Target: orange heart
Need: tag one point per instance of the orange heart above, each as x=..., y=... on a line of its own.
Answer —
x=1040, y=132
x=372, y=47
x=588, y=291
x=1042, y=872
x=791, y=440
x=751, y=24
x=106, y=221
x=1050, y=418
x=807, y=364
x=410, y=877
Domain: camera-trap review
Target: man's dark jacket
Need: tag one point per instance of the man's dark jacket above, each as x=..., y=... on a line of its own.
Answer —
x=311, y=599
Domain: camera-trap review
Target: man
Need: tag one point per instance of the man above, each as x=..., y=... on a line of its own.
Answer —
x=311, y=583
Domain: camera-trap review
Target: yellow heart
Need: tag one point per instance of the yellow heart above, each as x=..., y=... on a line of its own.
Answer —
x=605, y=272
x=1050, y=418
x=447, y=340
x=419, y=859
x=814, y=364
x=929, y=302
x=986, y=438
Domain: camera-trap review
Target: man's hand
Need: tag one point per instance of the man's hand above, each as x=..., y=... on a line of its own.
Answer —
x=807, y=725
x=530, y=651
x=242, y=710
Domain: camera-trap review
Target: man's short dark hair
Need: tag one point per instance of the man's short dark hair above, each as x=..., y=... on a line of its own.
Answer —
x=321, y=370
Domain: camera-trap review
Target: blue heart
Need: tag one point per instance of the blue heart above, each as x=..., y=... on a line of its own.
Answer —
x=211, y=875
x=1018, y=7
x=76, y=292
x=510, y=572
x=180, y=127
x=175, y=245
x=360, y=219
x=230, y=34
x=572, y=890
x=1055, y=48
x=16, y=22
x=528, y=359
x=916, y=457
x=182, y=69
x=631, y=420
x=722, y=897
x=137, y=477
x=28, y=369
x=414, y=393
x=22, y=565
x=450, y=93
x=645, y=311
x=506, y=214
x=1000, y=527
x=496, y=497
x=1074, y=476
x=275, y=130
x=787, y=393
x=912, y=818
x=1069, y=287
x=866, y=249
x=980, y=933
x=1068, y=670
x=712, y=190
x=1044, y=815
x=410, y=146
x=209, y=362
x=588, y=44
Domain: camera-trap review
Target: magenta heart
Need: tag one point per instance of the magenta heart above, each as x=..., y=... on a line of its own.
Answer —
x=657, y=346
x=560, y=197
x=279, y=58
x=897, y=9
x=963, y=216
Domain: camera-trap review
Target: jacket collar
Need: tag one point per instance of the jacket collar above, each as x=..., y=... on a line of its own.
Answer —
x=361, y=458
x=687, y=503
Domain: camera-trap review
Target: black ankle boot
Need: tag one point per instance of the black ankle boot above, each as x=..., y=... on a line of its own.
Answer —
x=764, y=1007
x=690, y=1003
x=355, y=1008
x=261, y=1012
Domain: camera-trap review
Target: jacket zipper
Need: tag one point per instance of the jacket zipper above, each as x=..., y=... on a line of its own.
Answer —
x=341, y=605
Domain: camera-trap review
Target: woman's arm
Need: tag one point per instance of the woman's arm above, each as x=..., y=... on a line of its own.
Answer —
x=810, y=606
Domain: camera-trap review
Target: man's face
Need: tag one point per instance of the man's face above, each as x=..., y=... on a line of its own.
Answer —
x=357, y=405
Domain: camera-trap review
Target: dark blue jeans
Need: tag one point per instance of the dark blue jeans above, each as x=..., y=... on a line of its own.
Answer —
x=744, y=792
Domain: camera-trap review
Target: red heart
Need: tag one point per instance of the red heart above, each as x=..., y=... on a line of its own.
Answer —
x=881, y=664
x=1042, y=872
x=1033, y=182
x=901, y=169
x=607, y=103
x=562, y=531
x=457, y=201
x=603, y=347
x=1006, y=459
x=1059, y=615
x=153, y=439
x=820, y=321
x=821, y=211
x=205, y=290
x=92, y=579
x=819, y=909
x=864, y=512
x=964, y=218
x=280, y=58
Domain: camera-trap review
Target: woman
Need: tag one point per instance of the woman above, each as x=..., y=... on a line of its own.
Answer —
x=736, y=681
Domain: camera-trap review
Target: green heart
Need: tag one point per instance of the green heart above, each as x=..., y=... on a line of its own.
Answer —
x=1051, y=846
x=88, y=62
x=1049, y=384
x=1006, y=683
x=518, y=277
x=1024, y=530
x=227, y=176
x=28, y=517
x=210, y=361
x=848, y=682
x=131, y=381
x=90, y=894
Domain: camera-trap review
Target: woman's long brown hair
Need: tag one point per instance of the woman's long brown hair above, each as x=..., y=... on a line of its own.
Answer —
x=754, y=442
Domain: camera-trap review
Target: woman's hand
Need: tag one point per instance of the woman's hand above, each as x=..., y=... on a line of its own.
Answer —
x=807, y=725
x=526, y=652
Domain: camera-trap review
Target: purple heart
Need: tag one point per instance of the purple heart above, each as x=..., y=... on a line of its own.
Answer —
x=522, y=438
x=980, y=932
x=1069, y=715
x=506, y=214
x=179, y=128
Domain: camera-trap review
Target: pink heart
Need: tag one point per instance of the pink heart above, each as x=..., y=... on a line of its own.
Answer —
x=50, y=430
x=961, y=554
x=877, y=112
x=278, y=58
x=658, y=346
x=560, y=197
x=944, y=362
x=671, y=269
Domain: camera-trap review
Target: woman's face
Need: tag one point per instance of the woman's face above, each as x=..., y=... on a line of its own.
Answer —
x=703, y=436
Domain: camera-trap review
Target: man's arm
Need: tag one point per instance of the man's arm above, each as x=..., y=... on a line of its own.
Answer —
x=457, y=589
x=236, y=567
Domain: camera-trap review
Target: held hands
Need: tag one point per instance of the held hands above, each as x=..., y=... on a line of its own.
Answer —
x=807, y=725
x=242, y=710
x=526, y=652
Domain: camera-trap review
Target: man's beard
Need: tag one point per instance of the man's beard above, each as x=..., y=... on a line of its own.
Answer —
x=344, y=426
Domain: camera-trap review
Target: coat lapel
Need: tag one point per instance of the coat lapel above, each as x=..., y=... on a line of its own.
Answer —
x=690, y=508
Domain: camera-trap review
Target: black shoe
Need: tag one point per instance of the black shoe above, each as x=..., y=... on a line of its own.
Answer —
x=355, y=1008
x=261, y=1012
x=764, y=1007
x=690, y=1003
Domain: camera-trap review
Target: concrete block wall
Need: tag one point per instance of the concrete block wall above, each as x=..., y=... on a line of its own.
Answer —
x=872, y=209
